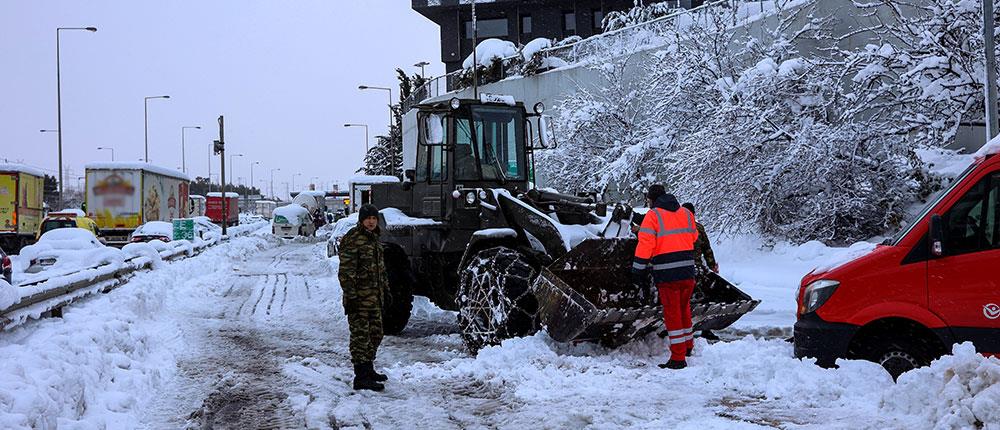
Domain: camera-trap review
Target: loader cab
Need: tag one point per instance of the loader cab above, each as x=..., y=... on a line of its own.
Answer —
x=466, y=146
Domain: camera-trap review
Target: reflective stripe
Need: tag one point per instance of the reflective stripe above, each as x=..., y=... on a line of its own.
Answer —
x=676, y=341
x=676, y=231
x=675, y=265
x=689, y=337
x=639, y=266
x=663, y=230
x=676, y=332
x=648, y=231
x=659, y=219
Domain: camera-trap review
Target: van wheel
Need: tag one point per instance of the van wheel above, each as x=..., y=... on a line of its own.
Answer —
x=494, y=298
x=898, y=354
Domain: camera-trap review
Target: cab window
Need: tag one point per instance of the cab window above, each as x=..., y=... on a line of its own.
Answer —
x=971, y=223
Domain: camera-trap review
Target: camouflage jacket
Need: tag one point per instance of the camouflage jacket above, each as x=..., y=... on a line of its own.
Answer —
x=703, y=255
x=362, y=270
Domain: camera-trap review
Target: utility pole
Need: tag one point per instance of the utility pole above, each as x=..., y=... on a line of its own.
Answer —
x=475, y=66
x=220, y=148
x=991, y=71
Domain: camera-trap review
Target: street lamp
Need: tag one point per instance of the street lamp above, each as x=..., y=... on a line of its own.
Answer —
x=272, y=181
x=232, y=173
x=293, y=180
x=421, y=65
x=59, y=103
x=252, y=183
x=145, y=112
x=184, y=157
x=366, y=87
x=101, y=148
x=366, y=133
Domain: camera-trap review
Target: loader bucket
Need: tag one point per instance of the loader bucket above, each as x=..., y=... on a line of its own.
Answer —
x=588, y=294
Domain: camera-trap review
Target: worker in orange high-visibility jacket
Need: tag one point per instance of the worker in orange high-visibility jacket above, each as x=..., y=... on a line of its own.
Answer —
x=666, y=246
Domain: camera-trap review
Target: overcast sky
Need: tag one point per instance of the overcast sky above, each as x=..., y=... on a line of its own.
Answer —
x=284, y=74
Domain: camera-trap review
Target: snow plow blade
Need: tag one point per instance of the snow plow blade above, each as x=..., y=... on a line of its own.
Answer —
x=588, y=295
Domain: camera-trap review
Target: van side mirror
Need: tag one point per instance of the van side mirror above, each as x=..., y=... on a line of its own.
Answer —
x=936, y=236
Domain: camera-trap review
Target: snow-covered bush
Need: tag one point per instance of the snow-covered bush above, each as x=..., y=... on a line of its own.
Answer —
x=639, y=13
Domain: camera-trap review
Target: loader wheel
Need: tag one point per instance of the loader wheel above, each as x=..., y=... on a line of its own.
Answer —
x=398, y=302
x=494, y=298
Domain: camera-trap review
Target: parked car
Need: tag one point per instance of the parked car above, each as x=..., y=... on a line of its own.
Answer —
x=153, y=230
x=340, y=229
x=205, y=229
x=906, y=302
x=6, y=268
x=68, y=247
x=66, y=219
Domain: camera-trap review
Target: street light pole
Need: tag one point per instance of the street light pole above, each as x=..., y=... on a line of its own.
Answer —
x=184, y=157
x=293, y=180
x=272, y=182
x=421, y=65
x=252, y=183
x=232, y=172
x=110, y=149
x=991, y=71
x=145, y=112
x=366, y=133
x=366, y=87
x=59, y=104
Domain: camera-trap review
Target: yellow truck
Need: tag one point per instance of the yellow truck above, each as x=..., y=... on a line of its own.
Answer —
x=122, y=196
x=21, y=189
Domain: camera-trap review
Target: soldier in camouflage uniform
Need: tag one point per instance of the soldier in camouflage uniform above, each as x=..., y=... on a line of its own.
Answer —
x=704, y=261
x=363, y=280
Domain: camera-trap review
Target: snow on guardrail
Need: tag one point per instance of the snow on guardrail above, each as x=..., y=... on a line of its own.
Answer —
x=39, y=296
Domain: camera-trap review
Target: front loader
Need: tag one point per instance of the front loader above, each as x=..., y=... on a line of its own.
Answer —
x=475, y=236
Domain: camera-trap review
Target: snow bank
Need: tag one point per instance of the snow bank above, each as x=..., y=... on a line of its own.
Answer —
x=294, y=214
x=372, y=179
x=126, y=165
x=957, y=391
x=155, y=228
x=22, y=168
x=491, y=49
x=218, y=194
x=147, y=250
x=8, y=295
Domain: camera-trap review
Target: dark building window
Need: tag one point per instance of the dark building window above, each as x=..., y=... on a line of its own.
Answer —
x=598, y=19
x=487, y=28
x=569, y=23
x=525, y=24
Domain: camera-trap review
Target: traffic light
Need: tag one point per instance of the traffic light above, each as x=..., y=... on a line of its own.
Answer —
x=219, y=147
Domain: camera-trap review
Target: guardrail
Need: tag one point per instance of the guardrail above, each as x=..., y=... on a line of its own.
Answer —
x=53, y=293
x=608, y=44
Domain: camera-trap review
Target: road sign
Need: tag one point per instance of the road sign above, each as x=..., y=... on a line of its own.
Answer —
x=184, y=229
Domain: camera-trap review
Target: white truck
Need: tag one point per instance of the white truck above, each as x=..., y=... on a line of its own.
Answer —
x=124, y=195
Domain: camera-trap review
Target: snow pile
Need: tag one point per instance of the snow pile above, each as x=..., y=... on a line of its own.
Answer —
x=372, y=179
x=395, y=217
x=155, y=228
x=293, y=214
x=72, y=248
x=961, y=390
x=148, y=250
x=535, y=46
x=489, y=50
x=831, y=258
x=126, y=165
x=8, y=295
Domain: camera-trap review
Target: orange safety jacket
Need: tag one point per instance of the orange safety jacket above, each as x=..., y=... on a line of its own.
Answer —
x=666, y=243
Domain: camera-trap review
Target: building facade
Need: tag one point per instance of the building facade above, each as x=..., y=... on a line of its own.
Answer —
x=518, y=21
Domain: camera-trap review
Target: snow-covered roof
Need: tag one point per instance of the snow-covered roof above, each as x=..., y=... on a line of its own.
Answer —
x=70, y=211
x=990, y=148
x=196, y=197
x=373, y=179
x=228, y=194
x=136, y=165
x=22, y=168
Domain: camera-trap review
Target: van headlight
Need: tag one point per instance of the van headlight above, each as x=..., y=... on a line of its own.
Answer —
x=816, y=294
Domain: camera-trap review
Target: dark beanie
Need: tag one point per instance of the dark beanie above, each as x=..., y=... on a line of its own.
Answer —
x=366, y=211
x=689, y=207
x=655, y=191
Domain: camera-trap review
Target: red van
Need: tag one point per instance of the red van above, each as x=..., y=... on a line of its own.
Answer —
x=934, y=284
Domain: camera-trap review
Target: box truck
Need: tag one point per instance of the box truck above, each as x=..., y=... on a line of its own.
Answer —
x=122, y=196
x=21, y=189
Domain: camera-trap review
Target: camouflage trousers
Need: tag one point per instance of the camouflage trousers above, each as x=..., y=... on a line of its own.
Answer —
x=366, y=335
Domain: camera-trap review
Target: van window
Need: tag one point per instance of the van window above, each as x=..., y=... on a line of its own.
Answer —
x=971, y=223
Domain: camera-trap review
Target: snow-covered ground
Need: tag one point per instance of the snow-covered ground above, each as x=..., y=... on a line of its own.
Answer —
x=251, y=334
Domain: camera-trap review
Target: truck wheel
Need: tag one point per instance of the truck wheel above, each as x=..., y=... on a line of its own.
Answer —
x=397, y=306
x=494, y=298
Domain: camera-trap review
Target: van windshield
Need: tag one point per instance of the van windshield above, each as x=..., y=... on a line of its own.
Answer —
x=932, y=201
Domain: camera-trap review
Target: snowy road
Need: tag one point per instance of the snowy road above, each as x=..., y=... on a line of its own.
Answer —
x=252, y=335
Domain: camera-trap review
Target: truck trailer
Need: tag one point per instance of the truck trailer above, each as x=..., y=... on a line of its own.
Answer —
x=122, y=196
x=214, y=208
x=21, y=189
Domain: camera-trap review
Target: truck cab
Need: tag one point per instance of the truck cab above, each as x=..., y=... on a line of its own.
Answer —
x=910, y=299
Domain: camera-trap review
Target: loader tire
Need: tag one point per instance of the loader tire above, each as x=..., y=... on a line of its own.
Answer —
x=494, y=298
x=398, y=301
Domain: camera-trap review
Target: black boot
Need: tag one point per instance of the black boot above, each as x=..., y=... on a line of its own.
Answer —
x=708, y=335
x=377, y=377
x=363, y=379
x=673, y=364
